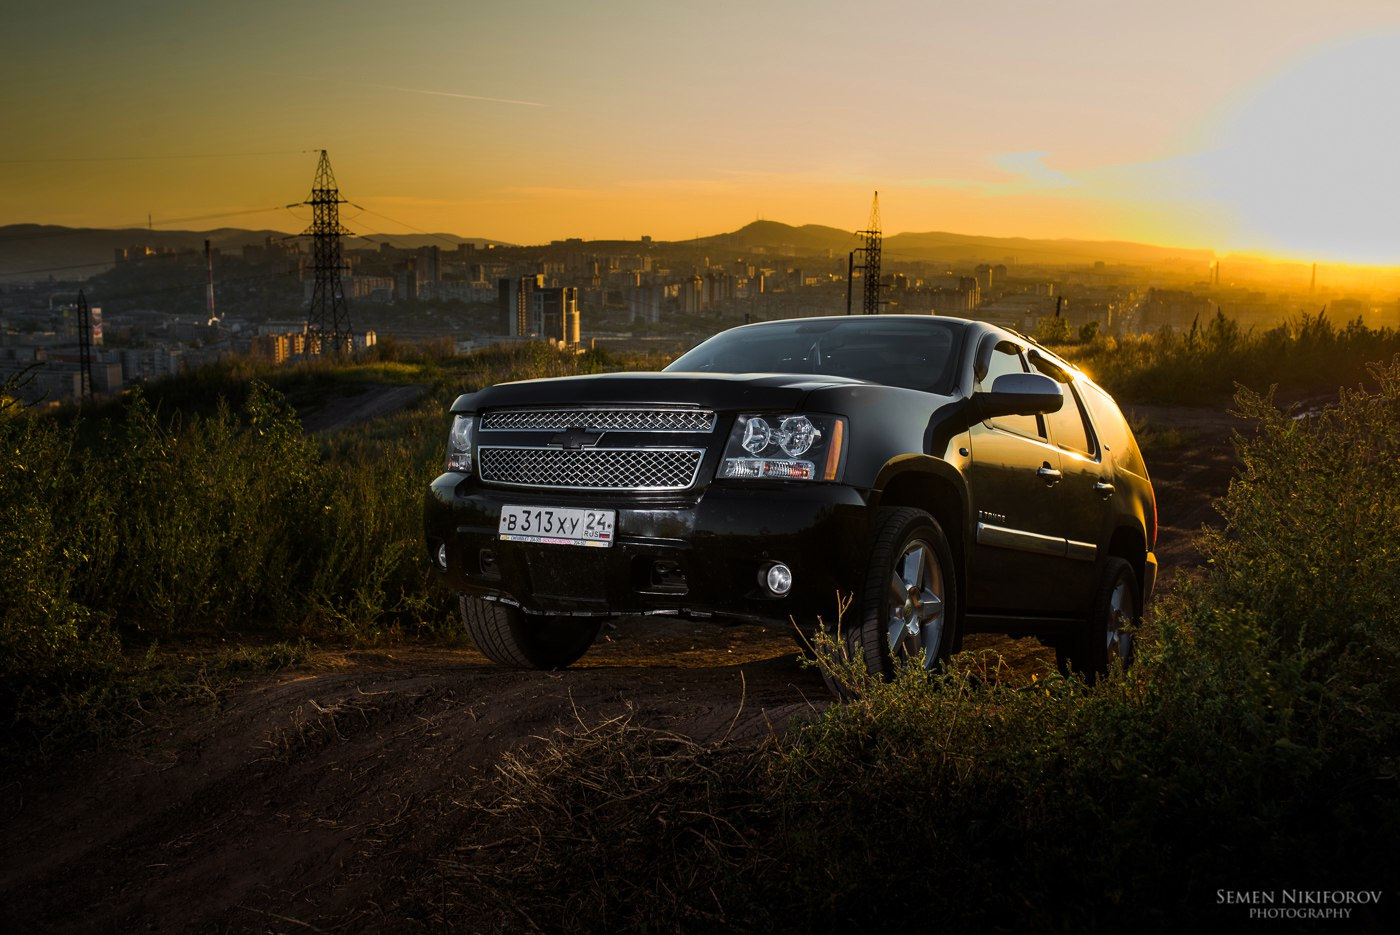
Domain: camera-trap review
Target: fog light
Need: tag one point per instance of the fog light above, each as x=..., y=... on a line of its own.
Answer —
x=442, y=556
x=777, y=578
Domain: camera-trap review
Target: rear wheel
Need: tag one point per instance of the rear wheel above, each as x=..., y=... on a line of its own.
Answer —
x=1108, y=633
x=909, y=603
x=510, y=637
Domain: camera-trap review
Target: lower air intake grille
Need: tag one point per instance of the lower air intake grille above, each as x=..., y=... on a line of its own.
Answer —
x=592, y=468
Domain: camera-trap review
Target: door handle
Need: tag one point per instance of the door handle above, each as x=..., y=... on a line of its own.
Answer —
x=1104, y=488
x=1049, y=474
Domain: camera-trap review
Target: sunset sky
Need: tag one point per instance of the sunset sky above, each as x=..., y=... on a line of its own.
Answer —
x=1269, y=126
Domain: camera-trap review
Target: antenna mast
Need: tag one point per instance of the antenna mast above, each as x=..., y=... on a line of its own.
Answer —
x=869, y=266
x=209, y=298
x=84, y=348
x=328, y=320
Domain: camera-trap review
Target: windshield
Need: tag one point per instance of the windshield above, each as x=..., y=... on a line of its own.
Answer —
x=914, y=352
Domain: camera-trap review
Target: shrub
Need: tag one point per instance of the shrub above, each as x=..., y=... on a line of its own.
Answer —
x=1204, y=364
x=57, y=657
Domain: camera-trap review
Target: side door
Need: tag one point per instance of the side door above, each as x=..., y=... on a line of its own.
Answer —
x=1015, y=473
x=1084, y=492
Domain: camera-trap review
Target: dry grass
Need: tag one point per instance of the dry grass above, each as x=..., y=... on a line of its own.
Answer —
x=613, y=827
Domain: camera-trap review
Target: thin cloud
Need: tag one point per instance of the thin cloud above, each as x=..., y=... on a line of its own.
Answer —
x=1033, y=171
x=465, y=97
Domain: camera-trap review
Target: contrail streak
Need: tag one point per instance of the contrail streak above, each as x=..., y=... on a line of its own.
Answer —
x=467, y=97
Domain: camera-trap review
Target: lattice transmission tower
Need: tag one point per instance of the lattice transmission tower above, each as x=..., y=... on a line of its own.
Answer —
x=328, y=319
x=869, y=265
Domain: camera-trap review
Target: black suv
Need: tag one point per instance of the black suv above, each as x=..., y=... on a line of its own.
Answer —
x=944, y=476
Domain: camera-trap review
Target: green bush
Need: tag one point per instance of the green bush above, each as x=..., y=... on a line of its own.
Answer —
x=140, y=529
x=1204, y=364
x=57, y=658
x=221, y=518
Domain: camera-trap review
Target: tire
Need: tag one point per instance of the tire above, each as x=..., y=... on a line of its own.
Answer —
x=1108, y=633
x=908, y=607
x=510, y=637
x=804, y=637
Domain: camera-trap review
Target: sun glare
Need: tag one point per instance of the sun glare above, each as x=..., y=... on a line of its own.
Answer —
x=1308, y=165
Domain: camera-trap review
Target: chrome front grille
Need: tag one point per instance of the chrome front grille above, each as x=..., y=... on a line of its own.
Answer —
x=620, y=420
x=592, y=468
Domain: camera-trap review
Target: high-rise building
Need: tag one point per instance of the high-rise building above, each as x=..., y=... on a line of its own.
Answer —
x=555, y=313
x=692, y=295
x=513, y=297
x=986, y=276
x=429, y=264
x=644, y=302
x=406, y=282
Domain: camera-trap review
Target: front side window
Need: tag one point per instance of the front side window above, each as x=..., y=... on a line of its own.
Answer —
x=1006, y=358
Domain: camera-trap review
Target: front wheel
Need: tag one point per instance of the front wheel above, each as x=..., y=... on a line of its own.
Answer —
x=909, y=604
x=510, y=637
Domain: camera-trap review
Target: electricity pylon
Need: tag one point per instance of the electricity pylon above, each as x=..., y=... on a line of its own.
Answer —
x=328, y=319
x=869, y=266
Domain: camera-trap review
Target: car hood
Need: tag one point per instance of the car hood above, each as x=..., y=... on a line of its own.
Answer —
x=723, y=391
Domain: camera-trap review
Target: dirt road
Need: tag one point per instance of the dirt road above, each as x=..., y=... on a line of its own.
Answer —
x=302, y=801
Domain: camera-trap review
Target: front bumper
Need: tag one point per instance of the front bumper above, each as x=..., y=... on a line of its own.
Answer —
x=699, y=555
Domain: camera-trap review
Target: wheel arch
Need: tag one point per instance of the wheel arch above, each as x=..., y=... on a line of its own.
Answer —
x=1130, y=544
x=935, y=486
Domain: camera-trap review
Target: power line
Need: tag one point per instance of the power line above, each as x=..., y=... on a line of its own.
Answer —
x=152, y=157
x=386, y=217
x=52, y=269
x=73, y=231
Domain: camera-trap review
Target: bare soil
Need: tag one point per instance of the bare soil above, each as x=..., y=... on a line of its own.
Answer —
x=346, y=409
x=307, y=801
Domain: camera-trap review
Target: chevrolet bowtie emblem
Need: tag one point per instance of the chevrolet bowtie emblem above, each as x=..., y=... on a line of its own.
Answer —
x=575, y=438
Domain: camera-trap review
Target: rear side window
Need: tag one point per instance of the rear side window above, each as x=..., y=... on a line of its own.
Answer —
x=1067, y=426
x=1113, y=430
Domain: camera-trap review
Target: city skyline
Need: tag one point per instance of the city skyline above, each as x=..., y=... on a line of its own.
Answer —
x=1238, y=126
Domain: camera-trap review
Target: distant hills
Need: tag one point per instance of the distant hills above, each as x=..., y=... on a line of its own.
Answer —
x=942, y=246
x=34, y=251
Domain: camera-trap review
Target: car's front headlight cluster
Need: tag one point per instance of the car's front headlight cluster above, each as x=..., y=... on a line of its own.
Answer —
x=459, y=443
x=784, y=446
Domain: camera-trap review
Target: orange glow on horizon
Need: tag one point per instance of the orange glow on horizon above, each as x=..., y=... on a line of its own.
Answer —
x=1078, y=122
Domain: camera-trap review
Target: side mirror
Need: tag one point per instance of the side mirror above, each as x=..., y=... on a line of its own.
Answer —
x=1020, y=394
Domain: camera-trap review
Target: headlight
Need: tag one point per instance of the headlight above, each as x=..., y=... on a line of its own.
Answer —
x=459, y=444
x=797, y=434
x=757, y=435
x=786, y=446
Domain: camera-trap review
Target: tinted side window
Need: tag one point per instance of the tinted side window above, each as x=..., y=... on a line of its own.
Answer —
x=1113, y=430
x=1067, y=427
x=1007, y=359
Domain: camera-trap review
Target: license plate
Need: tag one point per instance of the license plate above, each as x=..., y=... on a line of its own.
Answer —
x=557, y=526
